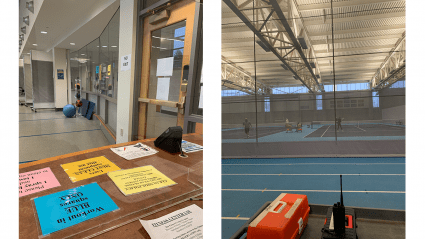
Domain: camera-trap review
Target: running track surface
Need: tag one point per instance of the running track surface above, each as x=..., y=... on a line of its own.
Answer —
x=367, y=182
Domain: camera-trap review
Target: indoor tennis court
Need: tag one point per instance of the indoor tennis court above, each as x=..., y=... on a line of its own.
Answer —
x=312, y=91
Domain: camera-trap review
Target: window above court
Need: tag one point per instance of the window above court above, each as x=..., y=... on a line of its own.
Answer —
x=375, y=100
x=319, y=105
x=290, y=90
x=225, y=93
x=348, y=87
x=267, y=104
x=399, y=84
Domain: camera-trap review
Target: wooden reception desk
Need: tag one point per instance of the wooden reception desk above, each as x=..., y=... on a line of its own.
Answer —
x=122, y=223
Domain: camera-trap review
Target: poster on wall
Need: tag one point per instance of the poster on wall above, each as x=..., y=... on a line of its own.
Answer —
x=136, y=180
x=163, y=88
x=63, y=209
x=61, y=74
x=89, y=168
x=164, y=66
x=109, y=70
x=37, y=181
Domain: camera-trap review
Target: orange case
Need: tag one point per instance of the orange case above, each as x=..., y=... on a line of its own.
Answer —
x=285, y=218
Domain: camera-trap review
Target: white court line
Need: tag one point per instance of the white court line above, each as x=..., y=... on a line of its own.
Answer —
x=236, y=218
x=360, y=128
x=312, y=132
x=325, y=131
x=282, y=174
x=319, y=191
x=304, y=164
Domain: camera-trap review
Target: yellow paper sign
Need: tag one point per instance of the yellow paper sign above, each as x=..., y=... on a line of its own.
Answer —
x=109, y=70
x=136, y=180
x=89, y=168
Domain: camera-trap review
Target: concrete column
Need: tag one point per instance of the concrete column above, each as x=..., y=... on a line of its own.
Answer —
x=127, y=46
x=61, y=87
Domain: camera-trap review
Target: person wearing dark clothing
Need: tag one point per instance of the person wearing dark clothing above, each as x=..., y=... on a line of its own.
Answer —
x=247, y=125
x=338, y=120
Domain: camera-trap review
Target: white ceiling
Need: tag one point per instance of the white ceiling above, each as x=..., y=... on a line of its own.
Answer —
x=71, y=21
x=365, y=32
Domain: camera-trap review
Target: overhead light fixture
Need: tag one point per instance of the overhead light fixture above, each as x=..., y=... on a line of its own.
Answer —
x=22, y=36
x=28, y=53
x=72, y=43
x=264, y=46
x=34, y=44
x=302, y=42
x=24, y=29
x=104, y=46
x=26, y=20
x=30, y=6
x=83, y=54
x=97, y=46
x=43, y=32
x=113, y=46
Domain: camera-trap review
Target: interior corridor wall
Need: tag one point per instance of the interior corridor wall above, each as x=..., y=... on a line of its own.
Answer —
x=21, y=77
x=42, y=77
x=60, y=85
x=28, y=79
x=127, y=47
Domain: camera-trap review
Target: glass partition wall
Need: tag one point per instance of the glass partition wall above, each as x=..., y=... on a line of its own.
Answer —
x=95, y=67
x=272, y=110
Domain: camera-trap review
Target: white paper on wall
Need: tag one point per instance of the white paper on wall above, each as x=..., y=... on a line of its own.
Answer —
x=164, y=66
x=163, y=88
x=126, y=62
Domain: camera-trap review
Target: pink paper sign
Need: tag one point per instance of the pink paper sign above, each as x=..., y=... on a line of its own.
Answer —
x=36, y=181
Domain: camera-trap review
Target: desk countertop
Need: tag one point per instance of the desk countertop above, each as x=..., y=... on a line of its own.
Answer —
x=147, y=205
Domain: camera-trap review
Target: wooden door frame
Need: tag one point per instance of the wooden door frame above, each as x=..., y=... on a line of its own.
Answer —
x=180, y=11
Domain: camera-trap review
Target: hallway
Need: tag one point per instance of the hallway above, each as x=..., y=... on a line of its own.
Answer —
x=49, y=133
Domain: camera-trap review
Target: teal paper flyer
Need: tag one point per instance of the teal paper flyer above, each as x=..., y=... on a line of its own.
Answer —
x=63, y=209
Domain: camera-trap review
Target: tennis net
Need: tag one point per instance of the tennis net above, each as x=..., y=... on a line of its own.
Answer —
x=361, y=123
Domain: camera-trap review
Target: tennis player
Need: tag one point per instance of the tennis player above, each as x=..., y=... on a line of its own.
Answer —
x=338, y=120
x=247, y=125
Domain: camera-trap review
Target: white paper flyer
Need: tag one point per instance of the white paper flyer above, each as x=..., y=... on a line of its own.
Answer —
x=134, y=151
x=185, y=223
x=189, y=147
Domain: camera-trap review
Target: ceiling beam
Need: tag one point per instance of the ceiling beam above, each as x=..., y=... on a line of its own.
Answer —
x=260, y=36
x=294, y=40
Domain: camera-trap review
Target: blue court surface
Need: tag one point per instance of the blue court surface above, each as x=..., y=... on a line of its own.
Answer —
x=269, y=134
x=367, y=182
